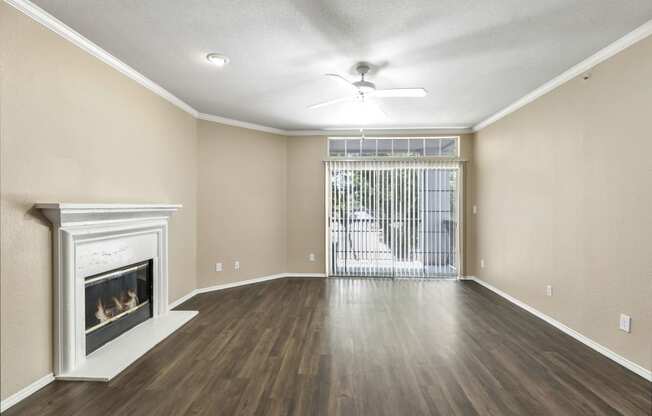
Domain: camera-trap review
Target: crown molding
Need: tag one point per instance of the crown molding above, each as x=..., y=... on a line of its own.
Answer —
x=380, y=131
x=603, y=54
x=238, y=123
x=346, y=131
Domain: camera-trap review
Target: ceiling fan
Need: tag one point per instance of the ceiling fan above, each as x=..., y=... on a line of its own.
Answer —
x=364, y=89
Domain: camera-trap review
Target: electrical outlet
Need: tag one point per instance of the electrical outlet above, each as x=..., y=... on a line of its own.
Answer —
x=236, y=265
x=475, y=209
x=625, y=323
x=311, y=257
x=549, y=290
x=218, y=267
x=482, y=263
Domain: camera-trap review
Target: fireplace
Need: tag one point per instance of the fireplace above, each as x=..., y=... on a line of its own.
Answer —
x=110, y=295
x=117, y=301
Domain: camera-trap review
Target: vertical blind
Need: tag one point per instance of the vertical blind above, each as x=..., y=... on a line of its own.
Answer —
x=392, y=218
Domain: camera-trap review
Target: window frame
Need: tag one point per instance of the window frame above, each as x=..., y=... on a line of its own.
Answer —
x=455, y=156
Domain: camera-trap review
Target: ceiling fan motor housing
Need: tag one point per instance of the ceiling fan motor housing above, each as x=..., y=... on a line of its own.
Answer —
x=362, y=85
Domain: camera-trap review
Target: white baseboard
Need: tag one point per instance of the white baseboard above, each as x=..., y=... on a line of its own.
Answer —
x=27, y=391
x=305, y=274
x=182, y=299
x=240, y=283
x=630, y=365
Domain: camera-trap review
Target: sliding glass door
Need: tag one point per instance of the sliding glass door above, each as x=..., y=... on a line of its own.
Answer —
x=393, y=218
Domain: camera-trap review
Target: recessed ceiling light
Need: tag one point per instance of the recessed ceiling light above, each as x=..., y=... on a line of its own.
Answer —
x=217, y=59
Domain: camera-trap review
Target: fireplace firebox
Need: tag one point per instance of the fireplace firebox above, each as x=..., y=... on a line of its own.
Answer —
x=117, y=301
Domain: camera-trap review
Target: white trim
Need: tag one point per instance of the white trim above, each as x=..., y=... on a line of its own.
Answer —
x=243, y=124
x=641, y=371
x=305, y=275
x=603, y=54
x=240, y=283
x=348, y=131
x=461, y=223
x=327, y=214
x=66, y=32
x=182, y=299
x=411, y=129
x=192, y=293
x=26, y=392
x=401, y=130
x=257, y=280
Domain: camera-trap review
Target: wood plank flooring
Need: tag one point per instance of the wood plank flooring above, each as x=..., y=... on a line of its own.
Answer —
x=358, y=347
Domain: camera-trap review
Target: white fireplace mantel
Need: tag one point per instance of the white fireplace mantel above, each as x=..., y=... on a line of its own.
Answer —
x=64, y=214
x=94, y=238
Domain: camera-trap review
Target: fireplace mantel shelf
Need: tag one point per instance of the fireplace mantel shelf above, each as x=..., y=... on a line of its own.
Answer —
x=71, y=206
x=66, y=213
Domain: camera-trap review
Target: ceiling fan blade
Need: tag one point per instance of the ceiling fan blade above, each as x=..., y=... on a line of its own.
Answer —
x=343, y=80
x=325, y=103
x=400, y=93
x=377, y=107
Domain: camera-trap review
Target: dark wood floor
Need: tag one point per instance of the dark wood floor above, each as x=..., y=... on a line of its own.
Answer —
x=358, y=347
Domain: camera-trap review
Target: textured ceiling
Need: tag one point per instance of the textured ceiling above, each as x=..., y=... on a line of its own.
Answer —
x=474, y=56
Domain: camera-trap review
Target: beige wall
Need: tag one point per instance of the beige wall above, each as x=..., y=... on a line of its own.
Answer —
x=73, y=129
x=564, y=190
x=241, y=203
x=305, y=206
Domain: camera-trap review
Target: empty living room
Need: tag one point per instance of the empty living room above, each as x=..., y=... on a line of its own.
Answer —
x=326, y=207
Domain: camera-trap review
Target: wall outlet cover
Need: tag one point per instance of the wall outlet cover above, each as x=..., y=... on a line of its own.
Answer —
x=236, y=265
x=218, y=267
x=311, y=257
x=549, y=290
x=482, y=263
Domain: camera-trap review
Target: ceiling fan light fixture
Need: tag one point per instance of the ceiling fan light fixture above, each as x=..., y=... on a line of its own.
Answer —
x=217, y=59
x=365, y=86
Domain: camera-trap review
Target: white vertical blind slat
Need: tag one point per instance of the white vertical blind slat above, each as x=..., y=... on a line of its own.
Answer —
x=392, y=218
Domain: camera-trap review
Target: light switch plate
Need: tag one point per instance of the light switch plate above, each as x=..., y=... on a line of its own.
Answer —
x=482, y=263
x=475, y=209
x=625, y=323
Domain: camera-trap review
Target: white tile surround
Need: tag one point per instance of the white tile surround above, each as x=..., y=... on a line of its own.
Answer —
x=94, y=238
